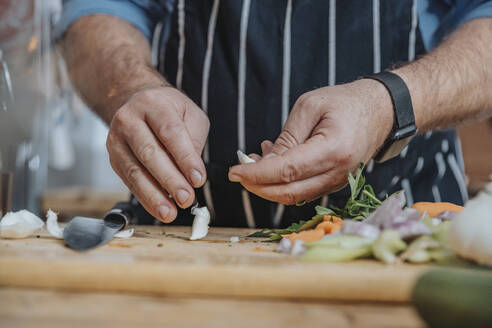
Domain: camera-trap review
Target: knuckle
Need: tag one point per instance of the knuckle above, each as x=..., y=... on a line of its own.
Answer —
x=170, y=130
x=120, y=118
x=154, y=200
x=132, y=174
x=146, y=153
x=286, y=139
x=307, y=100
x=288, y=198
x=289, y=173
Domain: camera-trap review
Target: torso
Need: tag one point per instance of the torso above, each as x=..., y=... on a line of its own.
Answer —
x=238, y=61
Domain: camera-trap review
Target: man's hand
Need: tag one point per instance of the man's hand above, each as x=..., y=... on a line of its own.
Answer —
x=328, y=133
x=155, y=141
x=156, y=133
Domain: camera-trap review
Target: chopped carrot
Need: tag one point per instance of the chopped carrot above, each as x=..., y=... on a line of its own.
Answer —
x=434, y=209
x=330, y=227
x=332, y=218
x=307, y=235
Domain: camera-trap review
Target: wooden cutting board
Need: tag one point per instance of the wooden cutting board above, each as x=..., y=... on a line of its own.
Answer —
x=162, y=260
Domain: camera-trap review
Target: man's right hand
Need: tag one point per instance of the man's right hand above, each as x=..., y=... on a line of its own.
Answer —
x=155, y=141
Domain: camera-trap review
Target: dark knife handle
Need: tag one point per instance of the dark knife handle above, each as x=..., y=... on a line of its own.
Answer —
x=120, y=215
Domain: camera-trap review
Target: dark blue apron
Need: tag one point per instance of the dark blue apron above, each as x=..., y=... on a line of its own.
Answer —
x=246, y=62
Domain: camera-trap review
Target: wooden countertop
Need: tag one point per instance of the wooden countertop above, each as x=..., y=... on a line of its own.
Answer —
x=159, y=277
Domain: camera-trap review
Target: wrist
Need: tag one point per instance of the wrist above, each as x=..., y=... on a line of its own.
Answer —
x=120, y=93
x=380, y=113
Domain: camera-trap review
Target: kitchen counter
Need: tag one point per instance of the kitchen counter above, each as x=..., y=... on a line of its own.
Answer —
x=158, y=277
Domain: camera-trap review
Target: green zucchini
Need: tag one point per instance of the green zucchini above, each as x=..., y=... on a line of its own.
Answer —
x=455, y=298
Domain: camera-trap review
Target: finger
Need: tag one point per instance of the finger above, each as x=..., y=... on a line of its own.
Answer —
x=298, y=191
x=141, y=184
x=266, y=147
x=156, y=160
x=197, y=125
x=301, y=162
x=255, y=157
x=173, y=134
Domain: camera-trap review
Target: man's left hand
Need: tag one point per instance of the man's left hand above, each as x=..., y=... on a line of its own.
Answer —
x=328, y=133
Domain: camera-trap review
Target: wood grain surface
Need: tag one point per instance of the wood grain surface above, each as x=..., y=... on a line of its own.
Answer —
x=59, y=309
x=161, y=260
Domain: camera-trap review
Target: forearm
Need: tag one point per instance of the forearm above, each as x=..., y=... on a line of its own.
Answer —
x=108, y=61
x=453, y=83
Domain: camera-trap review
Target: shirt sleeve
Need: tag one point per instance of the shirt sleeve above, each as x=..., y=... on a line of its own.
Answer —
x=143, y=14
x=439, y=18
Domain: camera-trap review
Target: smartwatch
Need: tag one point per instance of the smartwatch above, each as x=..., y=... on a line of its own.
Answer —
x=404, y=127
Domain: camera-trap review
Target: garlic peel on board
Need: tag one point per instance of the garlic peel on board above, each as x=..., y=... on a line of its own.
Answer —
x=56, y=231
x=19, y=224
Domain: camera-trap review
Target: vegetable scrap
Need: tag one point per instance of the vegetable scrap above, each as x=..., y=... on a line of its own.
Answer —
x=386, y=230
x=234, y=239
x=56, y=231
x=21, y=224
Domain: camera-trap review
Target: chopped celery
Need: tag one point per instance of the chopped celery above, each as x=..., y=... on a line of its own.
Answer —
x=341, y=241
x=328, y=254
x=388, y=245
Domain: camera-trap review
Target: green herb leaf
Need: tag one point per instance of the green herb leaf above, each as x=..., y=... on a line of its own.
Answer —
x=320, y=210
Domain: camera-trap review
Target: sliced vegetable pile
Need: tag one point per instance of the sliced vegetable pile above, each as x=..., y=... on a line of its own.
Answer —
x=368, y=227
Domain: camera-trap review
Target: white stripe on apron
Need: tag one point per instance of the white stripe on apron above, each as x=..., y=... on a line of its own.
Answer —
x=250, y=220
x=458, y=175
x=205, y=79
x=277, y=218
x=331, y=59
x=413, y=29
x=182, y=43
x=405, y=184
x=155, y=51
x=441, y=170
x=376, y=36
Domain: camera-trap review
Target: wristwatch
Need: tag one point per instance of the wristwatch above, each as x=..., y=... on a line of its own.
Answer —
x=404, y=127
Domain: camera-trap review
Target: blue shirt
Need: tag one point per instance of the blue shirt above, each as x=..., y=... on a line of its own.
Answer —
x=437, y=18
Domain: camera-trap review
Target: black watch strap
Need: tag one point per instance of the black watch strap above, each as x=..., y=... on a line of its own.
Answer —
x=404, y=122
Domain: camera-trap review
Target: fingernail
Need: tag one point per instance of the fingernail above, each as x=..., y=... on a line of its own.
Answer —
x=195, y=177
x=182, y=196
x=164, y=211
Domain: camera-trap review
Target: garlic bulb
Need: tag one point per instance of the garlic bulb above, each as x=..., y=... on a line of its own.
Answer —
x=470, y=235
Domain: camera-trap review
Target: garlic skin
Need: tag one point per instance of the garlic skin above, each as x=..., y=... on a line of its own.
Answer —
x=52, y=225
x=19, y=224
x=243, y=158
x=470, y=235
x=199, y=228
x=56, y=231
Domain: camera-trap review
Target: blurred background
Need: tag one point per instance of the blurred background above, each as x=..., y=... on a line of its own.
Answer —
x=52, y=147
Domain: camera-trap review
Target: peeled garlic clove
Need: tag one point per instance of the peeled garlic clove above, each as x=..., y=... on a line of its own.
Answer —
x=19, y=224
x=199, y=228
x=243, y=158
x=52, y=225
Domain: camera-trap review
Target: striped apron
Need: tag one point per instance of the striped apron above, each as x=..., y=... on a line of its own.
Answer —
x=246, y=62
